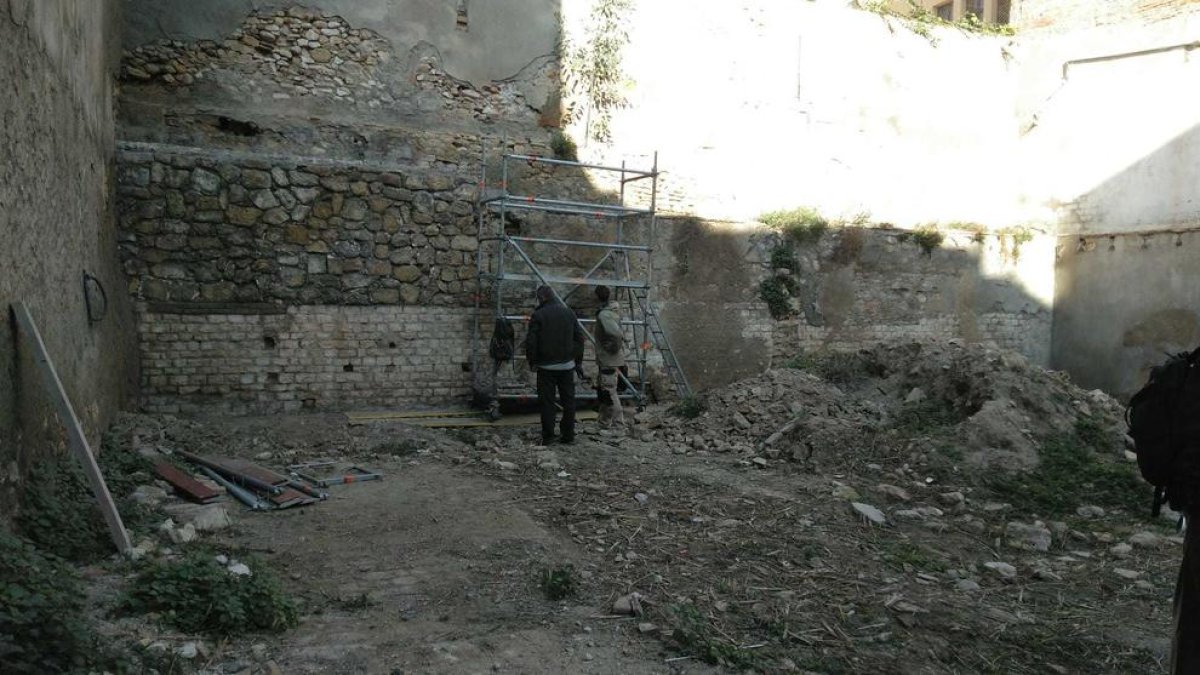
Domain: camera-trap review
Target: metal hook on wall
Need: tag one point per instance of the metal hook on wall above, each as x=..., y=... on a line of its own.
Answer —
x=93, y=291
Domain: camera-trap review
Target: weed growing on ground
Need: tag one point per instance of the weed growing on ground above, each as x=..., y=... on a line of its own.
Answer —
x=42, y=627
x=59, y=512
x=906, y=553
x=836, y=367
x=558, y=582
x=690, y=407
x=1074, y=468
x=694, y=633
x=198, y=594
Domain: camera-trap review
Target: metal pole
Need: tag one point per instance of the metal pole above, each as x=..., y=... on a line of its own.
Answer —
x=581, y=165
x=591, y=338
x=479, y=256
x=584, y=244
x=243, y=496
x=589, y=274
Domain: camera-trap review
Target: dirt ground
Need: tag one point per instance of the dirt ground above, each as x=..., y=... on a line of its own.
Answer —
x=908, y=509
x=742, y=567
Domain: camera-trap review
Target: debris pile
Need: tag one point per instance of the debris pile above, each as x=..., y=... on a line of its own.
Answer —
x=992, y=405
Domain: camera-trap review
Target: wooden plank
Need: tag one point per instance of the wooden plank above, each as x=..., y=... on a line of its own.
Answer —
x=479, y=421
x=79, y=443
x=190, y=487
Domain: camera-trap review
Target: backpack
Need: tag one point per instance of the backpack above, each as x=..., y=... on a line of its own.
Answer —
x=608, y=333
x=1164, y=422
x=503, y=345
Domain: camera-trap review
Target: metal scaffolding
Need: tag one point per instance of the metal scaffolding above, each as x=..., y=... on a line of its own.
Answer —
x=512, y=264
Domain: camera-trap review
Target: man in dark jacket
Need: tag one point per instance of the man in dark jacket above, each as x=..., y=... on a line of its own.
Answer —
x=554, y=348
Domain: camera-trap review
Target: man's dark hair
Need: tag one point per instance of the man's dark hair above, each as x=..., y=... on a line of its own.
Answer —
x=602, y=293
x=544, y=294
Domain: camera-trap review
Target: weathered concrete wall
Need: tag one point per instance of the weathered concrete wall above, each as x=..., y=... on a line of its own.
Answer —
x=1124, y=302
x=57, y=61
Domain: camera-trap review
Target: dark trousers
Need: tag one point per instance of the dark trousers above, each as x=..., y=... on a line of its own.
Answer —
x=563, y=382
x=1185, y=642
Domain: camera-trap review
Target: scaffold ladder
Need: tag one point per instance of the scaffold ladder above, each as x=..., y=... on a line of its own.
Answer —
x=663, y=344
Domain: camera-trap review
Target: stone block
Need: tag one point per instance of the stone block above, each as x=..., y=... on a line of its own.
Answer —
x=255, y=179
x=409, y=294
x=386, y=296
x=204, y=181
x=243, y=215
x=296, y=234
x=464, y=243
x=406, y=273
x=265, y=199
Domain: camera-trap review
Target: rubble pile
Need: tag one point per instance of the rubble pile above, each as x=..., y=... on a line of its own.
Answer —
x=993, y=405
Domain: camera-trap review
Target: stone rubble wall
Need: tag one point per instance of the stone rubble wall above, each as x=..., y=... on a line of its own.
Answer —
x=312, y=56
x=221, y=227
x=887, y=288
x=314, y=357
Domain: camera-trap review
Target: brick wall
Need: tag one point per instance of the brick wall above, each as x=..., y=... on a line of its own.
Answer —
x=312, y=357
x=1059, y=15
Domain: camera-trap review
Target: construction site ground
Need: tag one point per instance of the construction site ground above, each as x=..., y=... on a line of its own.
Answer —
x=749, y=550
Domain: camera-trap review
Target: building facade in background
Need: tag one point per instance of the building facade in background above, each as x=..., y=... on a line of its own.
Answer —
x=988, y=11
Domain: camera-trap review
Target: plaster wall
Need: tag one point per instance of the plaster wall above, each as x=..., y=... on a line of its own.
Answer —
x=770, y=104
x=57, y=59
x=1125, y=302
x=1109, y=122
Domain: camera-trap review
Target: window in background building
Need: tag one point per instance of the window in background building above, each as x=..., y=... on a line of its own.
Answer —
x=945, y=11
x=1003, y=10
x=974, y=7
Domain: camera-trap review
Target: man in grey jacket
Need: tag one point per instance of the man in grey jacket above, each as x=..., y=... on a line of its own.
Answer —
x=554, y=348
x=610, y=358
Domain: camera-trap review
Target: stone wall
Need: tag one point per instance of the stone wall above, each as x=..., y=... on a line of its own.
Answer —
x=221, y=227
x=859, y=286
x=853, y=287
x=241, y=359
x=57, y=60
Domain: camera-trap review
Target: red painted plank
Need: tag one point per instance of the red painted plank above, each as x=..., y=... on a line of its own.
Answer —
x=187, y=485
